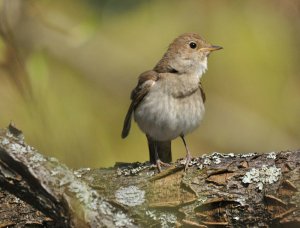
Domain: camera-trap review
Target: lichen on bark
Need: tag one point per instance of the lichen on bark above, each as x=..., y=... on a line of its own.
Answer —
x=227, y=190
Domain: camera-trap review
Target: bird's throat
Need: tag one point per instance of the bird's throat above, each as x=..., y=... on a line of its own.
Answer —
x=201, y=68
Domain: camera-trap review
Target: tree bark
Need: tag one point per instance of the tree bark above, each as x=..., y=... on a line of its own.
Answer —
x=218, y=190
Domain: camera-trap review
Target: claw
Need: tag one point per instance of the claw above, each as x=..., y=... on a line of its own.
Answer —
x=159, y=163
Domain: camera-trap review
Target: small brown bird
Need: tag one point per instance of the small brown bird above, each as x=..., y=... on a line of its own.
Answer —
x=168, y=101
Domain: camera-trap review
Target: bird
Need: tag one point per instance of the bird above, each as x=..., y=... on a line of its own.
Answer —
x=168, y=101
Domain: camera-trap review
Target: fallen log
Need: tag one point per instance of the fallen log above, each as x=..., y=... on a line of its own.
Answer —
x=218, y=190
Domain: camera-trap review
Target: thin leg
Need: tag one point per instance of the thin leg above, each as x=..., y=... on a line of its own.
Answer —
x=158, y=162
x=188, y=154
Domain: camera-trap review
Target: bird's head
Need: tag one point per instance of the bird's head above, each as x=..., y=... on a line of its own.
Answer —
x=188, y=54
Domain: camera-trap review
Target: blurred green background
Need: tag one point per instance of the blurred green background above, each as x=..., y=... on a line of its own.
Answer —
x=67, y=69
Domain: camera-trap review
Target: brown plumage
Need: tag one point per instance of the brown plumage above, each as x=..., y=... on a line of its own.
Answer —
x=161, y=96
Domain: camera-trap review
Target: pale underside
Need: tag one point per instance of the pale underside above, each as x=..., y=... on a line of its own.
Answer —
x=164, y=116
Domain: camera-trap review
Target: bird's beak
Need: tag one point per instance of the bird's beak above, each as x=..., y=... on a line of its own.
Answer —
x=211, y=48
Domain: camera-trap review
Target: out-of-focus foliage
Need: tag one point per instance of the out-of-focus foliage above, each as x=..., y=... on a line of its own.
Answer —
x=67, y=69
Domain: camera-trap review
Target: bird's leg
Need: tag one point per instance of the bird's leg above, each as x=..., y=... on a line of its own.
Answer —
x=188, y=154
x=158, y=162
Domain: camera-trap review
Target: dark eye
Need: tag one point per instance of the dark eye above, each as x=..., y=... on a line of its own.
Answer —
x=193, y=45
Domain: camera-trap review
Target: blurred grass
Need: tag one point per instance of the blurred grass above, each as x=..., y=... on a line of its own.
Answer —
x=67, y=69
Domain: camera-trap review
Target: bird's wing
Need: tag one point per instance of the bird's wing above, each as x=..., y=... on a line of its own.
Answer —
x=145, y=82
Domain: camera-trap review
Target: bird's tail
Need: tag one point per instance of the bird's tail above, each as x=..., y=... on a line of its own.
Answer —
x=127, y=122
x=163, y=150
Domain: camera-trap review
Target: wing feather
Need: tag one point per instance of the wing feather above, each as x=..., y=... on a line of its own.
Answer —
x=145, y=82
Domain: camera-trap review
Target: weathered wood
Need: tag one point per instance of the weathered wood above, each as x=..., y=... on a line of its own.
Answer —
x=51, y=187
x=16, y=213
x=218, y=190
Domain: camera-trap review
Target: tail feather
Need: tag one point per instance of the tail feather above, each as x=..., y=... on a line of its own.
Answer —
x=127, y=122
x=163, y=150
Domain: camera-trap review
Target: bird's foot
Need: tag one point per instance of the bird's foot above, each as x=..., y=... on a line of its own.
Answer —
x=159, y=164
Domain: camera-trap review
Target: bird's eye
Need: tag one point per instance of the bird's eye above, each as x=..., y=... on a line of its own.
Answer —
x=193, y=45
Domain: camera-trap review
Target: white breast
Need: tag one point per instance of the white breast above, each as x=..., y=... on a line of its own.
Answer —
x=164, y=117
